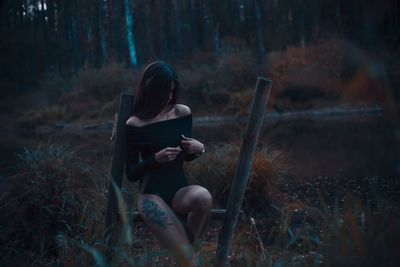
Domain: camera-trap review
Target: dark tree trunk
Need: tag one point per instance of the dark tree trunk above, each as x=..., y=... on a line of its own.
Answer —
x=165, y=42
x=148, y=32
x=302, y=38
x=103, y=23
x=75, y=26
x=193, y=24
x=235, y=17
x=217, y=39
x=338, y=14
x=216, y=14
x=316, y=16
x=43, y=22
x=177, y=26
x=208, y=25
x=260, y=32
x=117, y=29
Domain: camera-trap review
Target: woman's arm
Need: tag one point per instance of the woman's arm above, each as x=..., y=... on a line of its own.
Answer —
x=192, y=148
x=136, y=169
x=189, y=157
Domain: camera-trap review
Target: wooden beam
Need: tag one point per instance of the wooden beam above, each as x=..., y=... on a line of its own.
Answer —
x=216, y=214
x=239, y=184
x=118, y=158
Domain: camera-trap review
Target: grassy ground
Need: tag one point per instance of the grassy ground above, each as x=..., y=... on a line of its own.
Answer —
x=52, y=212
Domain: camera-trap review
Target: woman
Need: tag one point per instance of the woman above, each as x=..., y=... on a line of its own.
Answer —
x=160, y=129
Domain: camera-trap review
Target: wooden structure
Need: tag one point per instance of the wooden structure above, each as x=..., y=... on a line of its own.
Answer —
x=125, y=110
x=238, y=188
x=246, y=155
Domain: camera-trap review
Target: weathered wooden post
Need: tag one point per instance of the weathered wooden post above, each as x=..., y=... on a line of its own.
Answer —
x=239, y=184
x=118, y=158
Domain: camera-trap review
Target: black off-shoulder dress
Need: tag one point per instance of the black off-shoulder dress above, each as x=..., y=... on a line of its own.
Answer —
x=162, y=179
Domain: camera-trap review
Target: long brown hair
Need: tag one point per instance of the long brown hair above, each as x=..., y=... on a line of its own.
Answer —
x=154, y=88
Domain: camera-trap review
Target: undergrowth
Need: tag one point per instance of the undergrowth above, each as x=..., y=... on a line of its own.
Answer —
x=322, y=74
x=52, y=212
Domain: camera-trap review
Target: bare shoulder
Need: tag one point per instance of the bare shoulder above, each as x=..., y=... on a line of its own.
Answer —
x=182, y=110
x=134, y=121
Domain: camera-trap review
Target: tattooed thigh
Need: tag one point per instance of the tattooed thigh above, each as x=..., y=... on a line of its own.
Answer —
x=155, y=214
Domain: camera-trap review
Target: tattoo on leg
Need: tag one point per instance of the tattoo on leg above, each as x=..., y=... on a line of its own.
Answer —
x=155, y=214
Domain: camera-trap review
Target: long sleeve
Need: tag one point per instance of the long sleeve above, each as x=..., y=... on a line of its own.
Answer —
x=136, y=169
x=187, y=156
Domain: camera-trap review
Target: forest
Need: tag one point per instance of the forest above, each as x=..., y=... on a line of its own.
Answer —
x=324, y=186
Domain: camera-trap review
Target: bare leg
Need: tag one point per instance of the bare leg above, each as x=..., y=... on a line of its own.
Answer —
x=197, y=202
x=164, y=224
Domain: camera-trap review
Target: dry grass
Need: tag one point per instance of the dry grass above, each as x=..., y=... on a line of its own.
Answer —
x=216, y=168
x=53, y=200
x=91, y=95
x=52, y=213
x=341, y=72
x=51, y=116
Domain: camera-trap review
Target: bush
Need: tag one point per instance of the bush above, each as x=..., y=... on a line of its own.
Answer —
x=96, y=92
x=106, y=83
x=48, y=116
x=53, y=196
x=340, y=71
x=209, y=87
x=216, y=168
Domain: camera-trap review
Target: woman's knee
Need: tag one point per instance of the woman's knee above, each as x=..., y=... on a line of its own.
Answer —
x=201, y=200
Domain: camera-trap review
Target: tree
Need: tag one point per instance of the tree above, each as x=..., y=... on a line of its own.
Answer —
x=129, y=33
x=260, y=32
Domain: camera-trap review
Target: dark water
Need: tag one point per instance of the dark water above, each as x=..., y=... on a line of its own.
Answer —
x=339, y=150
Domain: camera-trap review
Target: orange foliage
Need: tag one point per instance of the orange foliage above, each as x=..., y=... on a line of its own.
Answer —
x=333, y=66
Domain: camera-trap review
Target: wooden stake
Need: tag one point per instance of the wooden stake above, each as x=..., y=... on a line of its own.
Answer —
x=239, y=184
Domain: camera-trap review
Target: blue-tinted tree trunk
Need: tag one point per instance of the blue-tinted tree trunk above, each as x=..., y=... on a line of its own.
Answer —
x=129, y=33
x=217, y=39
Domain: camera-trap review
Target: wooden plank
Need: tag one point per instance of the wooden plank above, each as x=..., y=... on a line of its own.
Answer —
x=216, y=214
x=118, y=158
x=239, y=184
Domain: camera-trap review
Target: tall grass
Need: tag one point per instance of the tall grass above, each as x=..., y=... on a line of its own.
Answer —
x=53, y=198
x=216, y=169
x=52, y=213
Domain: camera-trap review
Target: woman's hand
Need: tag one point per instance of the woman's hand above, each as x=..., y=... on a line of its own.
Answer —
x=167, y=154
x=191, y=145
